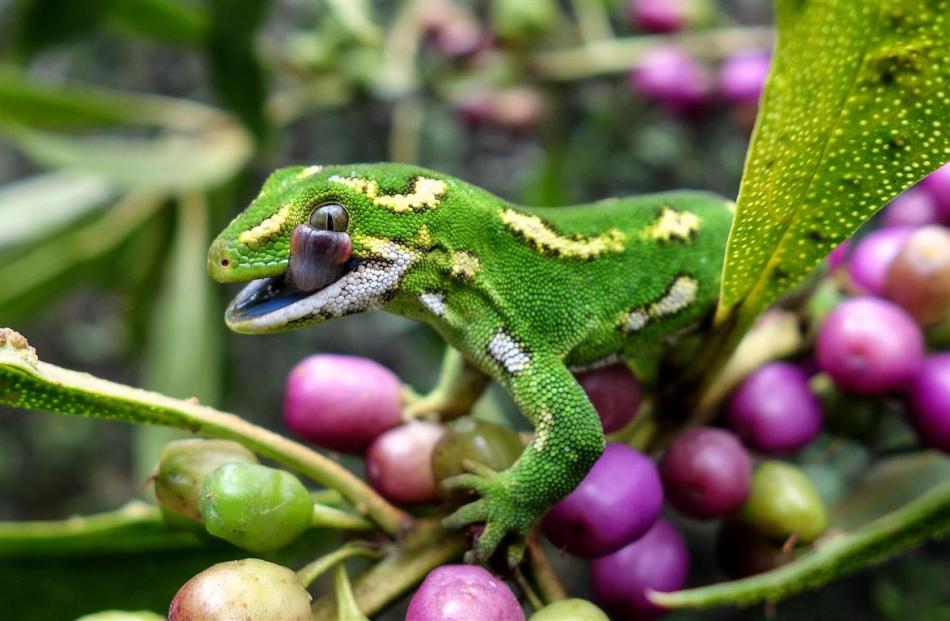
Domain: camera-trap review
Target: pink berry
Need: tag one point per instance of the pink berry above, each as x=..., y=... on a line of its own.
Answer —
x=706, y=472
x=463, y=593
x=658, y=561
x=619, y=500
x=930, y=402
x=938, y=184
x=774, y=410
x=662, y=16
x=919, y=278
x=742, y=76
x=342, y=402
x=670, y=76
x=839, y=256
x=399, y=463
x=614, y=392
x=869, y=346
x=873, y=257
x=915, y=207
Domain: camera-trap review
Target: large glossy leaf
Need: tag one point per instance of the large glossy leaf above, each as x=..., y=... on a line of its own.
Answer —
x=854, y=112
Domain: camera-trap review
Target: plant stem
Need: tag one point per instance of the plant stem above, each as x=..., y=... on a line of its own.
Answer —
x=26, y=382
x=426, y=547
x=136, y=526
x=547, y=581
x=328, y=517
x=346, y=603
x=618, y=55
x=313, y=570
x=592, y=20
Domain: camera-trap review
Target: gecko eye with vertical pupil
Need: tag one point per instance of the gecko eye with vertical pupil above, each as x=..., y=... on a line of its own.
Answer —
x=330, y=217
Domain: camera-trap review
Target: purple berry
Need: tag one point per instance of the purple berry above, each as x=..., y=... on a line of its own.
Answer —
x=662, y=16
x=615, y=393
x=938, y=184
x=399, y=463
x=706, y=472
x=837, y=257
x=774, y=410
x=869, y=346
x=930, y=402
x=742, y=76
x=342, y=402
x=619, y=500
x=919, y=278
x=915, y=207
x=873, y=257
x=463, y=593
x=670, y=76
x=658, y=561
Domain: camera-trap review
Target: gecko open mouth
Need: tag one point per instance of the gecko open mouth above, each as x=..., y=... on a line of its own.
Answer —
x=322, y=281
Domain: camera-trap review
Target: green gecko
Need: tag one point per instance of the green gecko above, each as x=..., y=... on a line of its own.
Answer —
x=521, y=295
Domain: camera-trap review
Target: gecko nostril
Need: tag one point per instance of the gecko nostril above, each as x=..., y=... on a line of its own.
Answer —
x=224, y=263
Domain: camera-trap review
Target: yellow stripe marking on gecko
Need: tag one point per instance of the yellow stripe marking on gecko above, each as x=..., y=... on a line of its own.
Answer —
x=268, y=228
x=548, y=241
x=672, y=223
x=425, y=194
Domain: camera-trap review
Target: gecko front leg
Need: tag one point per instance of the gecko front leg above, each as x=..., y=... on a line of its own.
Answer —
x=568, y=440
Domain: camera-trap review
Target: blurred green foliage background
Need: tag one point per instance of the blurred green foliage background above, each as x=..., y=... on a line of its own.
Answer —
x=132, y=130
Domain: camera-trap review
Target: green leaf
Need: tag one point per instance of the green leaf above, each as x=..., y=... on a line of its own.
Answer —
x=167, y=20
x=854, y=112
x=29, y=270
x=923, y=516
x=184, y=357
x=136, y=527
x=356, y=17
x=28, y=383
x=237, y=74
x=171, y=162
x=40, y=24
x=67, y=106
x=32, y=208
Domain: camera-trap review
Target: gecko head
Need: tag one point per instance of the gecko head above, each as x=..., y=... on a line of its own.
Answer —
x=322, y=242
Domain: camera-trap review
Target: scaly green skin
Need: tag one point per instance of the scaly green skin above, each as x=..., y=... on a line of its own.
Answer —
x=525, y=294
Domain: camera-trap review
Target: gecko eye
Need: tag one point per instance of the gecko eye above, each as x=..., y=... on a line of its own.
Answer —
x=330, y=217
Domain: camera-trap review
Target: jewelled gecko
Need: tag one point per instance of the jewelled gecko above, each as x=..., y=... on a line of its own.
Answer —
x=521, y=295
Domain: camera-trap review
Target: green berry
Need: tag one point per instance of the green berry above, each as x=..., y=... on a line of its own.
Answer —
x=250, y=590
x=479, y=441
x=255, y=507
x=183, y=466
x=574, y=609
x=783, y=502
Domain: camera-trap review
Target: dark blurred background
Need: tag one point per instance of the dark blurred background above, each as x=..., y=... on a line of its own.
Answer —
x=131, y=131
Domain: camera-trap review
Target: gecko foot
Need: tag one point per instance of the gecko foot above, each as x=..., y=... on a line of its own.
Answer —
x=497, y=508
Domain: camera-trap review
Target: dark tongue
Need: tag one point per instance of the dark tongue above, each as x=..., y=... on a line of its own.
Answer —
x=317, y=257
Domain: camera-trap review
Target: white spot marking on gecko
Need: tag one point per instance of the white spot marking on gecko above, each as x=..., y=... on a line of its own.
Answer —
x=309, y=170
x=679, y=296
x=506, y=351
x=434, y=301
